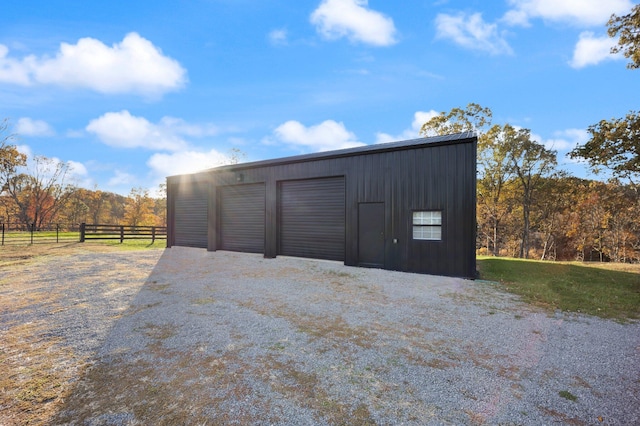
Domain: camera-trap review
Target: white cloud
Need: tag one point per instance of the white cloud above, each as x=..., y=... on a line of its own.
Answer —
x=576, y=12
x=182, y=162
x=47, y=167
x=13, y=71
x=335, y=19
x=278, y=37
x=134, y=65
x=77, y=169
x=563, y=140
x=591, y=50
x=121, y=178
x=471, y=32
x=326, y=136
x=80, y=175
x=29, y=127
x=419, y=118
x=123, y=130
x=25, y=149
x=74, y=133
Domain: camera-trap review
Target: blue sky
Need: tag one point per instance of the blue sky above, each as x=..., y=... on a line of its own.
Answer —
x=131, y=92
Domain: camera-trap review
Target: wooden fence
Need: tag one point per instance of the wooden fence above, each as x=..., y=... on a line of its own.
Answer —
x=121, y=232
x=24, y=234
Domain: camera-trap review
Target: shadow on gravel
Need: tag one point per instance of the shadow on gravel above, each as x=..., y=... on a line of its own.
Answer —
x=56, y=310
x=231, y=338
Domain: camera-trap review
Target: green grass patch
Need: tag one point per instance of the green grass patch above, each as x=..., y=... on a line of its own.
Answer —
x=131, y=244
x=572, y=287
x=568, y=395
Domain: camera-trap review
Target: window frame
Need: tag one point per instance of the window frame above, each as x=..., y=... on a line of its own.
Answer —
x=427, y=225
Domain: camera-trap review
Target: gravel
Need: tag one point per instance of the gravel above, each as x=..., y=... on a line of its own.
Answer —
x=232, y=338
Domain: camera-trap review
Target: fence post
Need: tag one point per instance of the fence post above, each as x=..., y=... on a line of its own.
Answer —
x=57, y=233
x=33, y=227
x=153, y=234
x=121, y=233
x=83, y=227
x=3, y=234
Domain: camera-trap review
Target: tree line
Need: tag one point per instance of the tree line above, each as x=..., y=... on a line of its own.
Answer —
x=527, y=207
x=39, y=192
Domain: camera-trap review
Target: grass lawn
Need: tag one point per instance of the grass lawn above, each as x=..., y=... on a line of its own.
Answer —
x=604, y=290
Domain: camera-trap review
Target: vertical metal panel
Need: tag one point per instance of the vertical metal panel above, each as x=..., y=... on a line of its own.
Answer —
x=371, y=234
x=312, y=218
x=190, y=213
x=212, y=219
x=423, y=177
x=242, y=218
x=271, y=219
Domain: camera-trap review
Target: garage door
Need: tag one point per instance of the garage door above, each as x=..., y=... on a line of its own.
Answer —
x=242, y=210
x=312, y=220
x=191, y=215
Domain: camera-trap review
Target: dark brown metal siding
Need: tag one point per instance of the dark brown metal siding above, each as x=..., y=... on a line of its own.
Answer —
x=242, y=217
x=312, y=218
x=426, y=177
x=191, y=203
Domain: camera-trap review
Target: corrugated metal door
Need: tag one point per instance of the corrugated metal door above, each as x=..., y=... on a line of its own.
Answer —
x=312, y=218
x=242, y=213
x=191, y=205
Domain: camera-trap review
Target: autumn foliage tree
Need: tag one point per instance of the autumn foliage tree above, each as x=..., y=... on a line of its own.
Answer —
x=10, y=157
x=41, y=192
x=627, y=29
x=139, y=208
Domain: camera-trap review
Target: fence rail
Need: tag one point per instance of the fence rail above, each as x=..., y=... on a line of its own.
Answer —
x=21, y=233
x=121, y=232
x=25, y=234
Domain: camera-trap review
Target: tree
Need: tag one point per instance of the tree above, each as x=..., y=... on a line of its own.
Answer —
x=96, y=201
x=530, y=163
x=10, y=158
x=473, y=118
x=138, y=209
x=236, y=155
x=494, y=174
x=614, y=145
x=160, y=205
x=494, y=170
x=556, y=198
x=40, y=193
x=627, y=29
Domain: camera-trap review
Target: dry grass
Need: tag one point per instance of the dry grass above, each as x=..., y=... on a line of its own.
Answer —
x=37, y=374
x=11, y=255
x=38, y=368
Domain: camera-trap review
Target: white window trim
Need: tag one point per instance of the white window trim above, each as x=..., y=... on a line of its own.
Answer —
x=427, y=225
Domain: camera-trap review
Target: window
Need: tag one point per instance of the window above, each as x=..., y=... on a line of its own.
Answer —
x=427, y=225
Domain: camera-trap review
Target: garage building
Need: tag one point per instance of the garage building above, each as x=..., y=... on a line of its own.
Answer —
x=407, y=206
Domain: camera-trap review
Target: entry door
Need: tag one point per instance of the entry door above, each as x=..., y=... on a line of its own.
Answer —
x=371, y=234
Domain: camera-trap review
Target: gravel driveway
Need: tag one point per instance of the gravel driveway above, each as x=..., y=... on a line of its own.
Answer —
x=232, y=338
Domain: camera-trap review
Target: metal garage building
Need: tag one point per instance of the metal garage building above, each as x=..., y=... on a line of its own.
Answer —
x=407, y=206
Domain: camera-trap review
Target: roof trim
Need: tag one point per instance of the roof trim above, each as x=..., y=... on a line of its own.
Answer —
x=463, y=137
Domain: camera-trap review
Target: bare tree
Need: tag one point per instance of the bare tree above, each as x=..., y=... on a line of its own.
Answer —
x=42, y=191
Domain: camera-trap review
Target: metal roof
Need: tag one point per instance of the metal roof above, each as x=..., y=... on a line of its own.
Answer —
x=381, y=147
